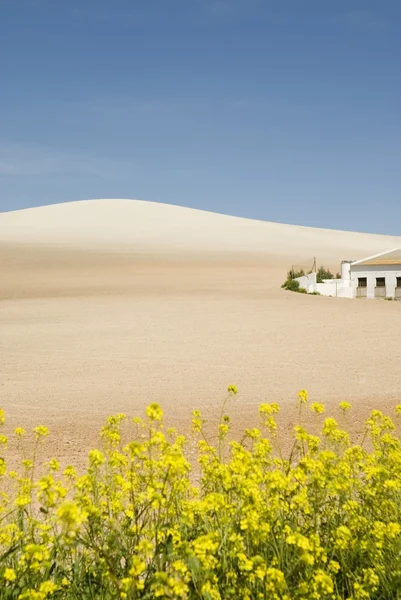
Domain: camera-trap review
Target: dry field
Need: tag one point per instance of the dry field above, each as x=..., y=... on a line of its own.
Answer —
x=106, y=306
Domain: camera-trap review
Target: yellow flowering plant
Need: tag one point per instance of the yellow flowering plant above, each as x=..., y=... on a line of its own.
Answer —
x=245, y=521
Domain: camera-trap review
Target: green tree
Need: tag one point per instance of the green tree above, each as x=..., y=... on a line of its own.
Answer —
x=323, y=273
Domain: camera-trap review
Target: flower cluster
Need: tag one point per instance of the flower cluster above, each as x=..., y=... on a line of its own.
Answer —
x=245, y=521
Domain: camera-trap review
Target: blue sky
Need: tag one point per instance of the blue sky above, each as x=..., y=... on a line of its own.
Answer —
x=284, y=110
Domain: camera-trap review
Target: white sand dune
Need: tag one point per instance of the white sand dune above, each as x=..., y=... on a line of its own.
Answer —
x=107, y=305
x=153, y=227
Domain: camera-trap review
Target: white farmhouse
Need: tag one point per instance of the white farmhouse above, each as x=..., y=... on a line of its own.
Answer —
x=377, y=276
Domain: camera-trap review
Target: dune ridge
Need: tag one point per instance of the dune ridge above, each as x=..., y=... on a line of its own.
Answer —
x=115, y=224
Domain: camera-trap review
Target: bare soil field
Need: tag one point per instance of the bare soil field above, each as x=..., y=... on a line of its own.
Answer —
x=92, y=325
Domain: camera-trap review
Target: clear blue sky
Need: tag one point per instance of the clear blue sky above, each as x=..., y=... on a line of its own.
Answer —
x=285, y=110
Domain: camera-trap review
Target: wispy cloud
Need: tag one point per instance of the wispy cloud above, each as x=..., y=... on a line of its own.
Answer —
x=22, y=159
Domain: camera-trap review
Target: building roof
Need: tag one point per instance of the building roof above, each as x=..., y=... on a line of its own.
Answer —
x=393, y=257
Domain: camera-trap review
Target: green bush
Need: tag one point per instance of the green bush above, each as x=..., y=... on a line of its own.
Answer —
x=293, y=274
x=292, y=285
x=323, y=273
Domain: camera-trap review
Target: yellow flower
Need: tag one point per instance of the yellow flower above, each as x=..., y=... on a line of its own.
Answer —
x=345, y=406
x=334, y=566
x=197, y=421
x=371, y=579
x=269, y=409
x=253, y=434
x=9, y=575
x=211, y=592
x=244, y=564
x=223, y=429
x=299, y=540
x=343, y=537
x=69, y=471
x=2, y=417
x=323, y=583
x=41, y=431
x=232, y=389
x=22, y=500
x=275, y=581
x=271, y=424
x=19, y=432
x=70, y=514
x=48, y=588
x=54, y=464
x=303, y=396
x=138, y=566
x=393, y=530
x=145, y=548
x=154, y=412
x=211, y=526
x=96, y=458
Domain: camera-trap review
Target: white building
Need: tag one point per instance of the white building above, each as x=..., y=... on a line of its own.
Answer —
x=373, y=277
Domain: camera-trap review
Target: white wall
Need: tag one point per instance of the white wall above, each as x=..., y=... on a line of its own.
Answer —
x=390, y=272
x=330, y=287
x=335, y=287
x=308, y=282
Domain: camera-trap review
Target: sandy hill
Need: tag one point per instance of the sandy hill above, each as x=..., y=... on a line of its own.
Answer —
x=154, y=227
x=108, y=305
